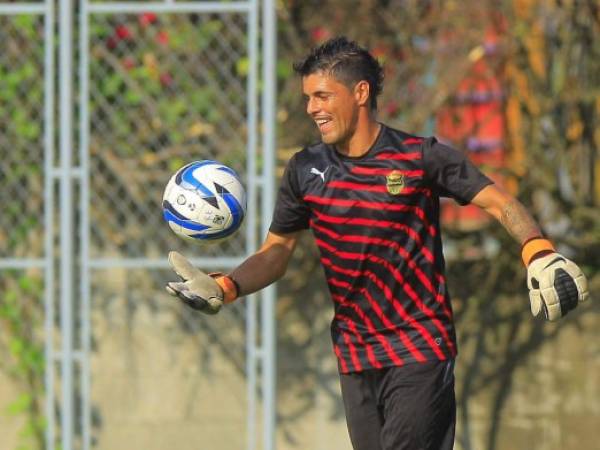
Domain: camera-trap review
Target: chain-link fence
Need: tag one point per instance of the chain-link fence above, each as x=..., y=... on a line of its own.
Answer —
x=96, y=116
x=22, y=136
x=164, y=90
x=24, y=269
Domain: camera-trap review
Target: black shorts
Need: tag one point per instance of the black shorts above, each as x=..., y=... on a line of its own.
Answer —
x=410, y=407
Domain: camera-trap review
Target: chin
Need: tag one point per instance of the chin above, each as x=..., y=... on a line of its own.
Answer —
x=329, y=139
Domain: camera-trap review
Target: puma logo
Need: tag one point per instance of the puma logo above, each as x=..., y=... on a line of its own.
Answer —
x=316, y=171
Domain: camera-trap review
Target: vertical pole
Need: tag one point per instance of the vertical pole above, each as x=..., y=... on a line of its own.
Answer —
x=48, y=220
x=251, y=244
x=269, y=40
x=84, y=286
x=66, y=222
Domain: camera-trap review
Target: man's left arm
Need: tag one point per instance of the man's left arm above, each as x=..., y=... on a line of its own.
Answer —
x=556, y=284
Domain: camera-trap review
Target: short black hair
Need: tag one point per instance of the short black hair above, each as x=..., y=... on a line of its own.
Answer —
x=348, y=62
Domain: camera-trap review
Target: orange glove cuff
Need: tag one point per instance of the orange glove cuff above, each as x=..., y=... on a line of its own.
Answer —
x=534, y=246
x=229, y=286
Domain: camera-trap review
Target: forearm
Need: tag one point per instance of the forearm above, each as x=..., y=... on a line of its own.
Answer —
x=518, y=222
x=258, y=271
x=509, y=212
x=266, y=266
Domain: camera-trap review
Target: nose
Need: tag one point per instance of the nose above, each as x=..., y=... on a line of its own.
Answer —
x=311, y=106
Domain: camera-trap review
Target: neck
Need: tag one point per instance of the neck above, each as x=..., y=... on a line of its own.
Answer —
x=362, y=139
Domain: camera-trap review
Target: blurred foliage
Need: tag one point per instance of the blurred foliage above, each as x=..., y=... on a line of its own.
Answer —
x=21, y=221
x=21, y=98
x=141, y=65
x=22, y=352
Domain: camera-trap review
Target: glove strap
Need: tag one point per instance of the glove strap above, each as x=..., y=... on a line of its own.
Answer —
x=533, y=247
x=229, y=285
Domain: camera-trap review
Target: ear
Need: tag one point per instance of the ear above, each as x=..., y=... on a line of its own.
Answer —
x=362, y=92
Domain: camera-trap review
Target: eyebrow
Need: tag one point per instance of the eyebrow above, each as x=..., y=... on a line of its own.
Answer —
x=317, y=93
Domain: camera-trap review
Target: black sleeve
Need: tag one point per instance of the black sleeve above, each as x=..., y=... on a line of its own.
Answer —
x=291, y=212
x=451, y=172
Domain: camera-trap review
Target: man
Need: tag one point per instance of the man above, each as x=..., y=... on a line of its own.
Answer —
x=370, y=194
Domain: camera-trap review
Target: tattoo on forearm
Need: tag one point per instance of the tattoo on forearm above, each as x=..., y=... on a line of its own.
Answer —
x=519, y=222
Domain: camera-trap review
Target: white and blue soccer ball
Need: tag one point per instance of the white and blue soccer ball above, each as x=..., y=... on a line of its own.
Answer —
x=204, y=201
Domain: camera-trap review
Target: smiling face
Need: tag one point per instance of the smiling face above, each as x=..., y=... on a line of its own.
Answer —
x=333, y=106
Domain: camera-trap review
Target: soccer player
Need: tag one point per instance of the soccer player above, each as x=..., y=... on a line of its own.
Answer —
x=370, y=194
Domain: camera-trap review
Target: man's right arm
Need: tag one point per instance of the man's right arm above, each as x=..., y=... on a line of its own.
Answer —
x=207, y=293
x=267, y=265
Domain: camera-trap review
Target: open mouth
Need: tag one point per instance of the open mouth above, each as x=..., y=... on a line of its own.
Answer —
x=324, y=124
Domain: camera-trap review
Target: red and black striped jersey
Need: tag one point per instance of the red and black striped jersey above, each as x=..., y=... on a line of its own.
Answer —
x=375, y=219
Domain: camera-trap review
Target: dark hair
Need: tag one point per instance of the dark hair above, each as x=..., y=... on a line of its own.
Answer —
x=348, y=62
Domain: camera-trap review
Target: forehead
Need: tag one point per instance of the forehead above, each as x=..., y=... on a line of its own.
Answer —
x=321, y=82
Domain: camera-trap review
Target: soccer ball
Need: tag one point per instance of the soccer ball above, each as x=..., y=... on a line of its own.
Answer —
x=204, y=201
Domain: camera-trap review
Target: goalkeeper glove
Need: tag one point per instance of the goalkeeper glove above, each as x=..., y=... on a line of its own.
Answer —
x=202, y=292
x=556, y=284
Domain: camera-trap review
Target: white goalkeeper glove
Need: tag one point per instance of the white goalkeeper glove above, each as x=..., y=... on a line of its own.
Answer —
x=556, y=284
x=200, y=291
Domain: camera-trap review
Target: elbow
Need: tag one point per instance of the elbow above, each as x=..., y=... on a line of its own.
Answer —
x=497, y=202
x=497, y=211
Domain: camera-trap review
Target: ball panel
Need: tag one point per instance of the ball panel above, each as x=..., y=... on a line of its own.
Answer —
x=172, y=216
x=191, y=178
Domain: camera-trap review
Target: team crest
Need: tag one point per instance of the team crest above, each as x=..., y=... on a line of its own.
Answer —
x=395, y=182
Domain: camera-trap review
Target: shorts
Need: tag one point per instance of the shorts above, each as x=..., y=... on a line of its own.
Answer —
x=409, y=407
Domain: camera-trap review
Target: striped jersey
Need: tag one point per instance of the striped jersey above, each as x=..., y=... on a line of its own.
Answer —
x=375, y=219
